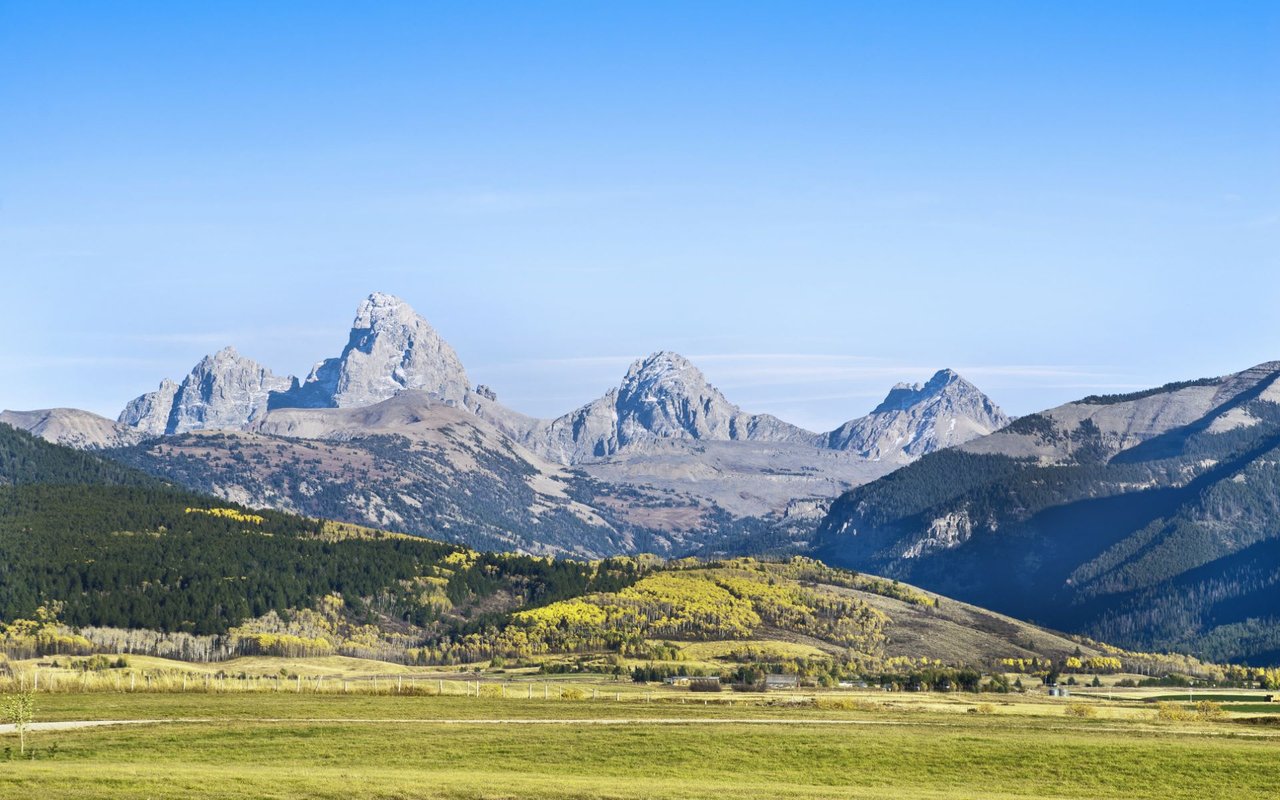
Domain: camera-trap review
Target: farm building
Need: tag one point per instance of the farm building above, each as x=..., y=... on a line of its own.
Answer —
x=781, y=681
x=693, y=681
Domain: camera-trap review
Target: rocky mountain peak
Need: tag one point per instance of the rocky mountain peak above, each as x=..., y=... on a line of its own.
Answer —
x=390, y=349
x=663, y=396
x=149, y=413
x=382, y=312
x=664, y=376
x=663, y=365
x=916, y=419
x=666, y=396
x=223, y=390
x=905, y=395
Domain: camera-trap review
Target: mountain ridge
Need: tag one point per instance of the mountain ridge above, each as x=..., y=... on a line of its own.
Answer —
x=1149, y=518
x=664, y=460
x=391, y=348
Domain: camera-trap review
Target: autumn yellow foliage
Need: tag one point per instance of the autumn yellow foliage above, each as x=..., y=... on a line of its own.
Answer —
x=229, y=513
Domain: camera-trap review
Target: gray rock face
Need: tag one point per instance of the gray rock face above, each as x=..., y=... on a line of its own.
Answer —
x=225, y=390
x=662, y=397
x=390, y=349
x=149, y=414
x=917, y=419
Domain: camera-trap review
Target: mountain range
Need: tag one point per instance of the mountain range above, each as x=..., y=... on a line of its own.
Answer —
x=128, y=562
x=391, y=432
x=1150, y=519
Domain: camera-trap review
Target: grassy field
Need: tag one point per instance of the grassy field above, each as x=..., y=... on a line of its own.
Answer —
x=1217, y=697
x=643, y=745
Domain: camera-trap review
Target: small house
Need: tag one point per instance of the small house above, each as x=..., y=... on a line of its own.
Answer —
x=781, y=681
x=693, y=681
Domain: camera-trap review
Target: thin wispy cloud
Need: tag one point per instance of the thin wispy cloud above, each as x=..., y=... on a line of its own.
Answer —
x=55, y=361
x=765, y=369
x=237, y=338
x=178, y=338
x=817, y=390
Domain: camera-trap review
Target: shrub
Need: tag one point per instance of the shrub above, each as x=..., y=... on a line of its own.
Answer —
x=1081, y=711
x=1172, y=712
x=1209, y=710
x=572, y=693
x=845, y=704
x=984, y=708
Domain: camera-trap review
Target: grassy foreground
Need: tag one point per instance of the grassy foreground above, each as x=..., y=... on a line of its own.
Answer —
x=280, y=746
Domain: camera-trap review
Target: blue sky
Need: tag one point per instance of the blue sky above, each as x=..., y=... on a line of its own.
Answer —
x=813, y=200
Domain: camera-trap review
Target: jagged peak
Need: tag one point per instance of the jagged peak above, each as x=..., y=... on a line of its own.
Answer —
x=666, y=374
x=662, y=362
x=905, y=395
x=227, y=355
x=381, y=311
x=945, y=377
x=916, y=418
x=391, y=348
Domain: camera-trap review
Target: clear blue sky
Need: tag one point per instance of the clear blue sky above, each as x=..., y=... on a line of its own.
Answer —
x=813, y=200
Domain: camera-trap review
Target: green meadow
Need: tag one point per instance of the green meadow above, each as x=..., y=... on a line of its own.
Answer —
x=371, y=746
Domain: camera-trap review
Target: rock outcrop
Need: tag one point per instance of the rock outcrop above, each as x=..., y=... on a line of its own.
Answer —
x=224, y=391
x=918, y=419
x=149, y=413
x=391, y=349
x=662, y=397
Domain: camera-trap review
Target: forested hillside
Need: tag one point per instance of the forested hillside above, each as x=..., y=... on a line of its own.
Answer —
x=143, y=567
x=143, y=555
x=27, y=459
x=1151, y=520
